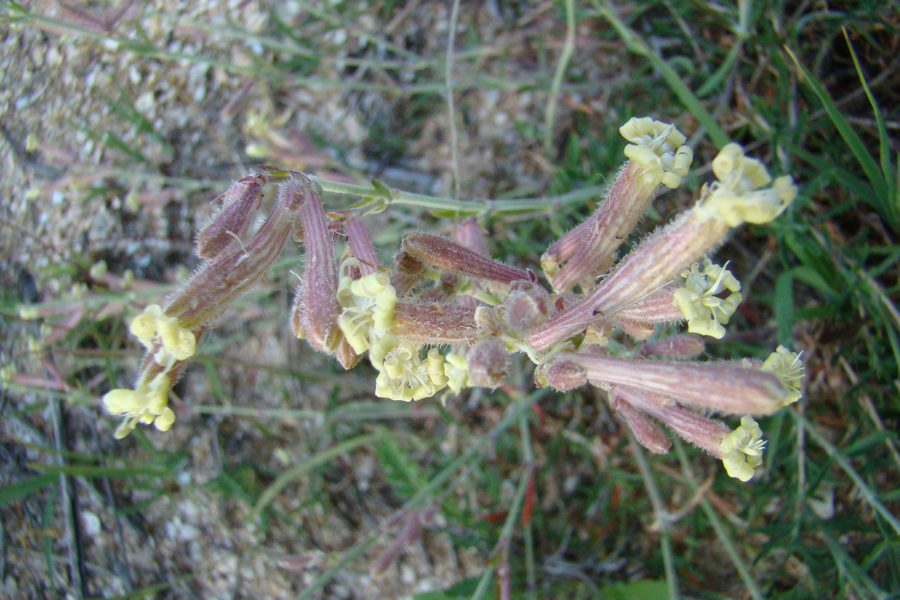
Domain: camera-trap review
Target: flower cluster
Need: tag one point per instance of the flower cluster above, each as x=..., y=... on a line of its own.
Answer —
x=446, y=316
x=367, y=322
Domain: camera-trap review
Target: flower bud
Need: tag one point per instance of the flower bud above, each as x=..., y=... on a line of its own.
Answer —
x=319, y=286
x=527, y=307
x=434, y=323
x=229, y=226
x=646, y=431
x=346, y=355
x=297, y=318
x=700, y=431
x=678, y=346
x=564, y=375
x=658, y=307
x=638, y=330
x=563, y=249
x=361, y=247
x=471, y=235
x=407, y=271
x=235, y=268
x=443, y=254
x=488, y=362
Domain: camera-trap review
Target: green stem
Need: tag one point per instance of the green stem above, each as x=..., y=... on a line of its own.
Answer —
x=663, y=518
x=561, y=67
x=721, y=533
x=463, y=207
x=484, y=583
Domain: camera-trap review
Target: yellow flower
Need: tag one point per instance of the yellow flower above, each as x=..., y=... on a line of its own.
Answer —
x=658, y=148
x=152, y=326
x=737, y=198
x=368, y=308
x=742, y=449
x=698, y=300
x=457, y=372
x=788, y=367
x=146, y=404
x=405, y=376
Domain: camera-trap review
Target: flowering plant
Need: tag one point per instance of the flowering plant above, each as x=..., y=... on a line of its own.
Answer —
x=446, y=316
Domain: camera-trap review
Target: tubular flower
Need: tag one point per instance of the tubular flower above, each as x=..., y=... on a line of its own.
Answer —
x=737, y=198
x=148, y=403
x=788, y=368
x=657, y=157
x=152, y=327
x=723, y=387
x=368, y=308
x=742, y=449
x=658, y=149
x=699, y=300
x=404, y=375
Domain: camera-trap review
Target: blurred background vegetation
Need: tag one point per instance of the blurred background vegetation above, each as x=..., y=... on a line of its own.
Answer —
x=284, y=477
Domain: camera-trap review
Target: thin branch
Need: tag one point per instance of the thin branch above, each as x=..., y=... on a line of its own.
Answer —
x=463, y=207
x=663, y=518
x=448, y=81
x=561, y=67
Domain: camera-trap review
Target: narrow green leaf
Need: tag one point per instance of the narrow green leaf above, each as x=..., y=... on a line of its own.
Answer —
x=312, y=462
x=400, y=470
x=884, y=147
x=646, y=589
x=103, y=471
x=853, y=141
x=784, y=307
x=715, y=80
x=20, y=489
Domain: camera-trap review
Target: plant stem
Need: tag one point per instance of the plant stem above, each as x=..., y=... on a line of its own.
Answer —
x=463, y=207
x=561, y=67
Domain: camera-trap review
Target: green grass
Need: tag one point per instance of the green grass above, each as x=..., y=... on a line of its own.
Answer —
x=811, y=94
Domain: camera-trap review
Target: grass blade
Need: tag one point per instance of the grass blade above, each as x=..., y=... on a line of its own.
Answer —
x=312, y=462
x=11, y=493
